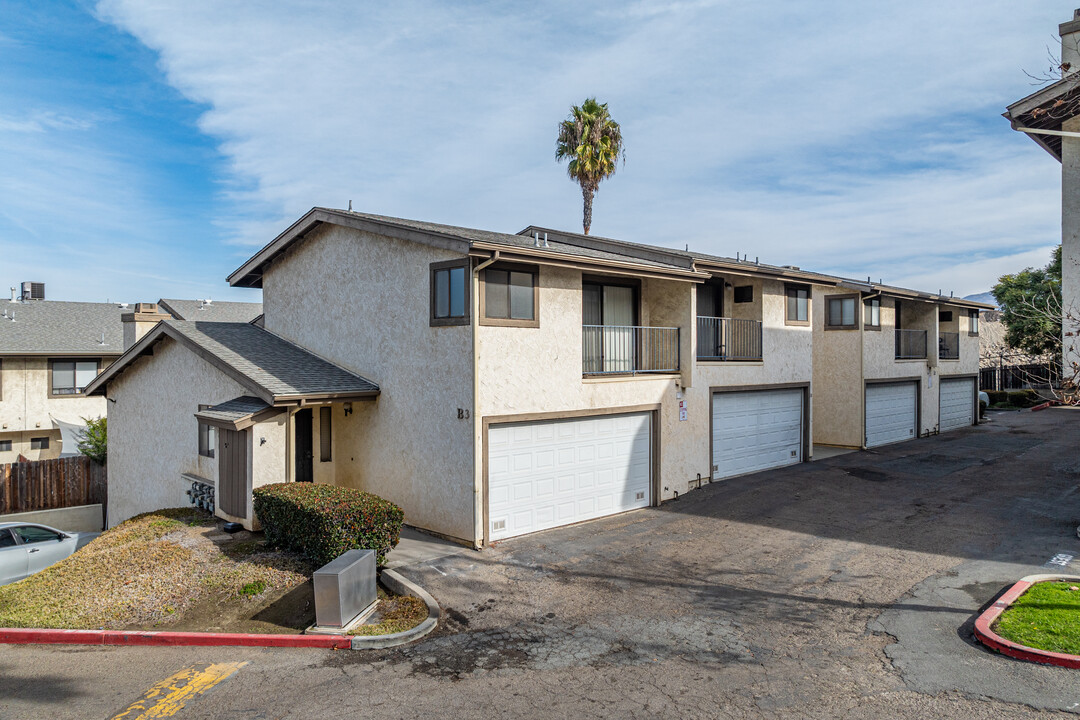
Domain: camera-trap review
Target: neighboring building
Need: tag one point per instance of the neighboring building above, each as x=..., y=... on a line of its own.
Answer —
x=1051, y=117
x=49, y=352
x=211, y=310
x=495, y=384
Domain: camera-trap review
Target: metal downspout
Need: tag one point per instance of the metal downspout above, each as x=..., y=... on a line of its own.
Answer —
x=478, y=445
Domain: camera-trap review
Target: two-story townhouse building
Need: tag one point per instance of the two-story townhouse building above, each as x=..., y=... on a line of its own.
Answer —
x=49, y=352
x=490, y=384
x=892, y=364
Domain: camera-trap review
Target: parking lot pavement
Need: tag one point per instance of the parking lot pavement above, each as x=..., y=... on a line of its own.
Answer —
x=841, y=588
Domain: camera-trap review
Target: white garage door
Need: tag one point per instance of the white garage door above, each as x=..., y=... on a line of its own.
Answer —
x=756, y=430
x=890, y=412
x=545, y=474
x=957, y=405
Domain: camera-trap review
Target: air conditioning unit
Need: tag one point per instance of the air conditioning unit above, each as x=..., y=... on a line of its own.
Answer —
x=33, y=291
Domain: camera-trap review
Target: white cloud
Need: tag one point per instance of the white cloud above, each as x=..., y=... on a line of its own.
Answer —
x=848, y=136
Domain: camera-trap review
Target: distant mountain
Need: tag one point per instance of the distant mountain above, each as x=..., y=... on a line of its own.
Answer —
x=983, y=298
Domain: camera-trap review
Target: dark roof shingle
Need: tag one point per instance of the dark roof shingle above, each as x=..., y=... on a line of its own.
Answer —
x=215, y=311
x=51, y=327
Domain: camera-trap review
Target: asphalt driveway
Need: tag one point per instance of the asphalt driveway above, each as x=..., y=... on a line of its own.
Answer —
x=841, y=588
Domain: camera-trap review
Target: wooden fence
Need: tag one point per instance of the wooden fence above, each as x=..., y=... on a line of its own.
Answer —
x=50, y=484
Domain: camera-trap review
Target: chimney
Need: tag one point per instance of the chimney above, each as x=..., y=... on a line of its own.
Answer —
x=1070, y=45
x=139, y=322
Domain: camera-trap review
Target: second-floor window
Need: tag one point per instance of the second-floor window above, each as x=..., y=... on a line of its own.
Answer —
x=873, y=314
x=973, y=322
x=798, y=305
x=70, y=377
x=510, y=295
x=840, y=313
x=450, y=293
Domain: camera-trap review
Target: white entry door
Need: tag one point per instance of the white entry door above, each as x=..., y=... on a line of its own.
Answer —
x=550, y=473
x=891, y=412
x=957, y=404
x=756, y=430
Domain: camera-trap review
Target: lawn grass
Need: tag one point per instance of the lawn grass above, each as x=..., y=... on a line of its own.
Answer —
x=1046, y=617
x=397, y=613
x=155, y=570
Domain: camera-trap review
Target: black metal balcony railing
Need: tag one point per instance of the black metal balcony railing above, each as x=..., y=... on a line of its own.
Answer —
x=910, y=344
x=628, y=349
x=728, y=339
x=949, y=345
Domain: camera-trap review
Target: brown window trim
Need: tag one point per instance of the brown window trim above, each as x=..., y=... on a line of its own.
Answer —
x=829, y=299
x=534, y=270
x=446, y=265
x=9, y=445
x=326, y=434
x=790, y=288
x=40, y=443
x=866, y=305
x=210, y=452
x=49, y=379
x=971, y=314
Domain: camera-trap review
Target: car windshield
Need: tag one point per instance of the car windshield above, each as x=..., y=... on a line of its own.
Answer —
x=32, y=534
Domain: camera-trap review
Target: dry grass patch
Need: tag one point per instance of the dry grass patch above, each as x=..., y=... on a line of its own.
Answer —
x=394, y=613
x=149, y=571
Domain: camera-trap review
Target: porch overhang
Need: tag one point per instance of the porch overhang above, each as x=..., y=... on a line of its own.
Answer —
x=238, y=413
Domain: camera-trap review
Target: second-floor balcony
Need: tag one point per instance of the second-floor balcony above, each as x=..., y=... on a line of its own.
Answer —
x=728, y=339
x=949, y=346
x=629, y=350
x=910, y=344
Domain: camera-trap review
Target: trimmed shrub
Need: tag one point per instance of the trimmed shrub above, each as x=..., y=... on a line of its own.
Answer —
x=1024, y=398
x=323, y=521
x=997, y=396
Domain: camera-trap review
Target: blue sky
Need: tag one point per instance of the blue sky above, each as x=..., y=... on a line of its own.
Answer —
x=147, y=147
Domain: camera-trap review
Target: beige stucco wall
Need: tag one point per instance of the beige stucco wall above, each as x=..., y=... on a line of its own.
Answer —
x=362, y=301
x=838, y=376
x=525, y=371
x=20, y=445
x=839, y=386
x=153, y=433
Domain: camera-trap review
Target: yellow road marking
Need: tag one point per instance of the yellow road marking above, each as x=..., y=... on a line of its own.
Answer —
x=166, y=698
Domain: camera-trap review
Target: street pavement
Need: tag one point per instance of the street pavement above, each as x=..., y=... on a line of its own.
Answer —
x=843, y=588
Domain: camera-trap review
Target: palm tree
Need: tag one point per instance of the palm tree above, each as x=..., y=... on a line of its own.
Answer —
x=594, y=144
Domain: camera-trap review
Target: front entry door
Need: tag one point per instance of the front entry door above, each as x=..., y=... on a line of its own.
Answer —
x=303, y=445
x=232, y=493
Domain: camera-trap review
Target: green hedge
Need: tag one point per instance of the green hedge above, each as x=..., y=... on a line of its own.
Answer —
x=1015, y=398
x=323, y=521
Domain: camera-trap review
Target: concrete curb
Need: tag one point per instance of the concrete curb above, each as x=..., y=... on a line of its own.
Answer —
x=992, y=640
x=395, y=582
x=28, y=636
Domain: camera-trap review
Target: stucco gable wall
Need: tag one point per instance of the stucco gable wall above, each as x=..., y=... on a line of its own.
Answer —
x=363, y=301
x=153, y=433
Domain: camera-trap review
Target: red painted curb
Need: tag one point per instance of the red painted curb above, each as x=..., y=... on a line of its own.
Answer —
x=1045, y=405
x=992, y=640
x=25, y=636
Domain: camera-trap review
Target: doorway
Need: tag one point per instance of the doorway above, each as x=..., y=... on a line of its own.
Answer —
x=303, y=445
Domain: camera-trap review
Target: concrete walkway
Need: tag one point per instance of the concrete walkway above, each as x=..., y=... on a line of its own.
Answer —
x=418, y=547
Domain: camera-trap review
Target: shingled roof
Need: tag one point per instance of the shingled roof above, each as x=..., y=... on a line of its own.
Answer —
x=271, y=368
x=211, y=311
x=50, y=327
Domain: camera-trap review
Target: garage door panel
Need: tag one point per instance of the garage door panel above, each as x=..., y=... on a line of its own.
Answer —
x=956, y=404
x=566, y=471
x=891, y=412
x=756, y=430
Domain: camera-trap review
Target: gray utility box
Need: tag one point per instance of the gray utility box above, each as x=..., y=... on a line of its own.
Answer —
x=344, y=588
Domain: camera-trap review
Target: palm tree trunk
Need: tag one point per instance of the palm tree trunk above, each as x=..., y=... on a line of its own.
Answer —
x=587, y=192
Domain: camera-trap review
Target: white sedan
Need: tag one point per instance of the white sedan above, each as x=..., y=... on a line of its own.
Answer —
x=27, y=548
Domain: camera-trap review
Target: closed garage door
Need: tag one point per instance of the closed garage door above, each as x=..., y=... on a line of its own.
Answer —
x=957, y=403
x=756, y=430
x=545, y=474
x=890, y=412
